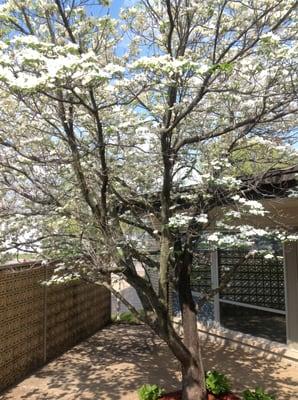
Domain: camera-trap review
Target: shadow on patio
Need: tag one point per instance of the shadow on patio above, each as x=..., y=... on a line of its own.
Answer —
x=112, y=364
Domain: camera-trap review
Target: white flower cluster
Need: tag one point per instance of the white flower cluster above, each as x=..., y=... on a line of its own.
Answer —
x=63, y=274
x=271, y=144
x=202, y=218
x=62, y=279
x=182, y=220
x=233, y=214
x=179, y=220
x=293, y=193
x=34, y=64
x=170, y=66
x=227, y=181
x=232, y=236
x=252, y=207
x=219, y=164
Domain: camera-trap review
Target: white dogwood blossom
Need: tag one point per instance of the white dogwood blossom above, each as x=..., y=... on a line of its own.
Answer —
x=134, y=138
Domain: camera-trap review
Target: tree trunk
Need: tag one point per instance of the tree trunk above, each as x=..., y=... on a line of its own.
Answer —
x=192, y=383
x=193, y=376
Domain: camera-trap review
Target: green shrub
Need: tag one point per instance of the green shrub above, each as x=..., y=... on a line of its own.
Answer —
x=257, y=394
x=217, y=383
x=127, y=317
x=150, y=392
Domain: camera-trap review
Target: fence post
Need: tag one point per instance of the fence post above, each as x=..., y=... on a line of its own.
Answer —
x=291, y=292
x=215, y=284
x=45, y=289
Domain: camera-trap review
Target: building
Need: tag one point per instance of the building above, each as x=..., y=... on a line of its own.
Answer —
x=259, y=307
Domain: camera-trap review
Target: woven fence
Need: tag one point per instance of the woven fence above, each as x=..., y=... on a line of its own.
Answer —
x=37, y=323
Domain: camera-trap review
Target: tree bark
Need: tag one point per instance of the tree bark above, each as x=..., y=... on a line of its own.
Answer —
x=191, y=382
x=193, y=376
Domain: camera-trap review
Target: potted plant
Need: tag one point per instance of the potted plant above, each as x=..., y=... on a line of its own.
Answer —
x=217, y=384
x=257, y=394
x=150, y=392
x=219, y=387
x=154, y=392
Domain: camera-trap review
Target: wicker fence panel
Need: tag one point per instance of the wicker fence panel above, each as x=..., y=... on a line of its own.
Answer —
x=38, y=323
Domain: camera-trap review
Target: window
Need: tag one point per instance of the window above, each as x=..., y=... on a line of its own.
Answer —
x=254, y=300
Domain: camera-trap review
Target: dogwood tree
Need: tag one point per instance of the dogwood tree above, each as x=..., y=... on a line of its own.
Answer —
x=117, y=131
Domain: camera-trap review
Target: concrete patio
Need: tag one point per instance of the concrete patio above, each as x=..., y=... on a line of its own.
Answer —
x=112, y=364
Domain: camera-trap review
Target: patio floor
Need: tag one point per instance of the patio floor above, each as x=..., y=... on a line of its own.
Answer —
x=112, y=364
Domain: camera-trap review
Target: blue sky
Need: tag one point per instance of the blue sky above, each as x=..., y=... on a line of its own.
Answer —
x=114, y=9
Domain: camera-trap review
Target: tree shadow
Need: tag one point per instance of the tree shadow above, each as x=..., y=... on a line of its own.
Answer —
x=249, y=368
x=113, y=363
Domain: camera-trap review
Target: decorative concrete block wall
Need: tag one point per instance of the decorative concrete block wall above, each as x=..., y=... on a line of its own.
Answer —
x=38, y=323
